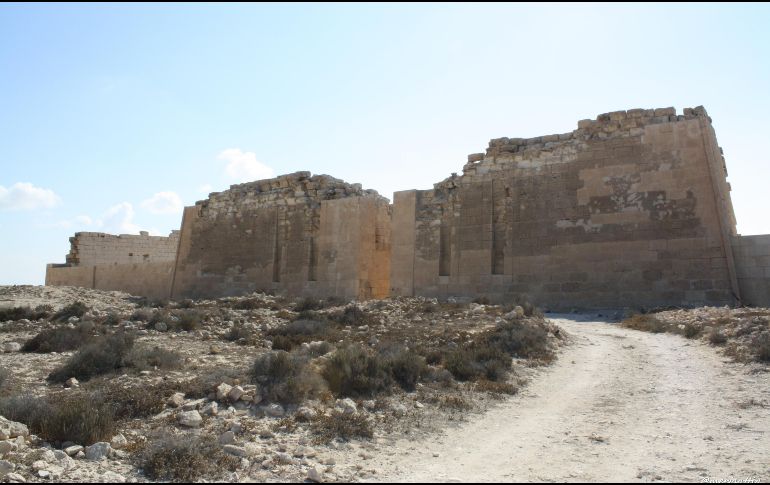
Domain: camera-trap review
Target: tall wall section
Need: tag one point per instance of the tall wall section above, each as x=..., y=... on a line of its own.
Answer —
x=630, y=209
x=297, y=233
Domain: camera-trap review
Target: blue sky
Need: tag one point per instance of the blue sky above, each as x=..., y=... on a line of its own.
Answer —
x=114, y=116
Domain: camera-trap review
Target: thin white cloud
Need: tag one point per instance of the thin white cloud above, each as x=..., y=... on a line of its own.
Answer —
x=76, y=222
x=164, y=203
x=243, y=166
x=119, y=219
x=25, y=196
x=205, y=189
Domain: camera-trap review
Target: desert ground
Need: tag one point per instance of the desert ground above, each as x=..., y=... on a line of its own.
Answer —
x=104, y=386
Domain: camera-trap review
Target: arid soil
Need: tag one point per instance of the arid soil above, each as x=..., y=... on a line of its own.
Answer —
x=600, y=402
x=249, y=435
x=618, y=405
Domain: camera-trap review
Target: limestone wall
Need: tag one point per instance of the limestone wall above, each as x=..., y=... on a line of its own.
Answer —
x=137, y=264
x=90, y=248
x=752, y=260
x=152, y=280
x=297, y=233
x=630, y=209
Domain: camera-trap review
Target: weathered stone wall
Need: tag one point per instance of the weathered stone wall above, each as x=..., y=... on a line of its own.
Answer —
x=90, y=248
x=152, y=280
x=630, y=209
x=297, y=233
x=752, y=261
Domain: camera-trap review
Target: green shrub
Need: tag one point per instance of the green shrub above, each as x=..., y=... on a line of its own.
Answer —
x=77, y=309
x=285, y=377
x=354, y=371
x=186, y=458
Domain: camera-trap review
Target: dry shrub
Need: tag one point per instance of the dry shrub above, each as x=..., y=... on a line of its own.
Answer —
x=143, y=315
x=134, y=401
x=60, y=339
x=498, y=388
x=478, y=360
x=760, y=346
x=188, y=321
x=144, y=358
x=102, y=355
x=644, y=323
x=307, y=304
x=21, y=313
x=186, y=458
x=77, y=309
x=241, y=334
x=341, y=425
x=203, y=385
x=78, y=417
x=285, y=377
x=293, y=334
x=110, y=353
x=405, y=367
x=353, y=316
x=6, y=377
x=691, y=331
x=354, y=371
x=520, y=339
x=716, y=337
x=454, y=403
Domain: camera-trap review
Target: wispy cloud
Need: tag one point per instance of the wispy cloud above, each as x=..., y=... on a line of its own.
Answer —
x=163, y=203
x=118, y=219
x=25, y=196
x=244, y=166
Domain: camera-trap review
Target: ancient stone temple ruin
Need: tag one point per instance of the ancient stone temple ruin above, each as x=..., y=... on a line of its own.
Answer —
x=631, y=209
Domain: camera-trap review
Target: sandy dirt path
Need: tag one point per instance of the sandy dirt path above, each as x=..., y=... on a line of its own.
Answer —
x=618, y=405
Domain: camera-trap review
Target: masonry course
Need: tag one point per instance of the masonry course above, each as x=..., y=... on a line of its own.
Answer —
x=631, y=209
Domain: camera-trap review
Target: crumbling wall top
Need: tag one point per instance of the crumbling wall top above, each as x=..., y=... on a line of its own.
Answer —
x=289, y=189
x=616, y=124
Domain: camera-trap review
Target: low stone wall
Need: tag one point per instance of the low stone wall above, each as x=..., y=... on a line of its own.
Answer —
x=152, y=280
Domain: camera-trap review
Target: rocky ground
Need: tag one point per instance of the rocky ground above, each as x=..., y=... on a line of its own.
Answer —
x=180, y=398
x=263, y=388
